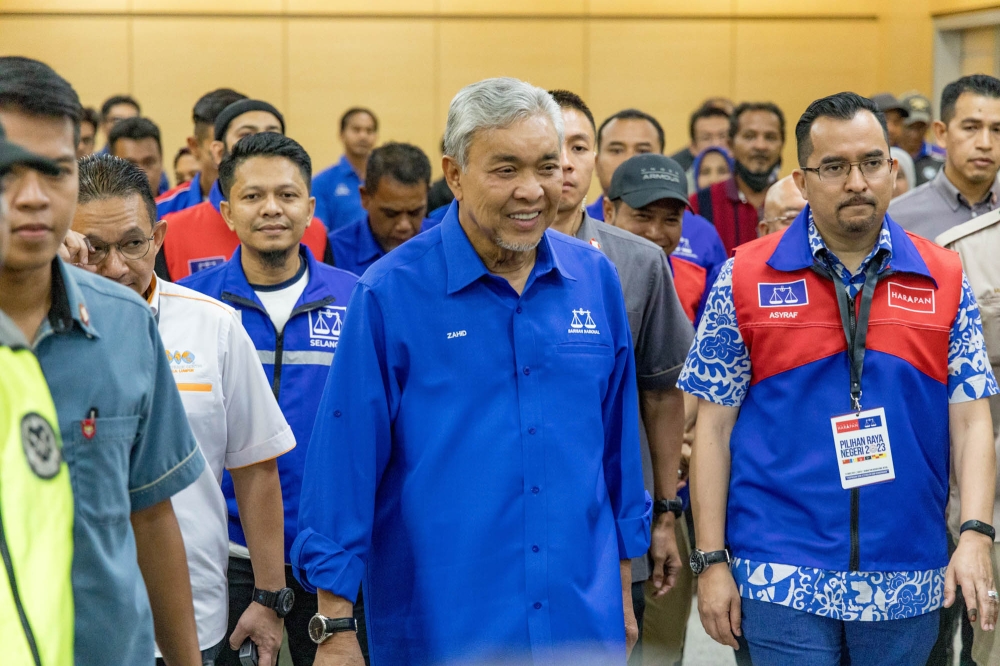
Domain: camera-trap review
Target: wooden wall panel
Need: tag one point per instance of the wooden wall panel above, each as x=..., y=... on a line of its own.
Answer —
x=938, y=7
x=671, y=8
x=793, y=63
x=383, y=64
x=804, y=8
x=979, y=49
x=64, y=5
x=513, y=7
x=373, y=7
x=547, y=53
x=208, y=6
x=90, y=52
x=664, y=67
x=177, y=60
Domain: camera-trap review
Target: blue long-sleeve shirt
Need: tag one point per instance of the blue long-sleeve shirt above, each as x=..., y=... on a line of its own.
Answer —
x=475, y=459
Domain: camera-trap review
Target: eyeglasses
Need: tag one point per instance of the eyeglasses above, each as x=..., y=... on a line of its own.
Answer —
x=787, y=217
x=130, y=248
x=838, y=172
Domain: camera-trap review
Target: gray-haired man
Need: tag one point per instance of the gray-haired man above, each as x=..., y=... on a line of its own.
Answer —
x=475, y=461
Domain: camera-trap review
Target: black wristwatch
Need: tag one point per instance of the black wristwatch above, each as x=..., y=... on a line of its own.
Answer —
x=322, y=627
x=280, y=602
x=674, y=506
x=700, y=560
x=978, y=526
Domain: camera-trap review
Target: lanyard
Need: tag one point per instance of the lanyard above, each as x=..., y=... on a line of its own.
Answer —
x=856, y=329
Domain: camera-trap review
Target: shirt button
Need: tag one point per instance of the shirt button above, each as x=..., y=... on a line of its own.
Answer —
x=536, y=490
x=527, y=370
x=531, y=431
x=337, y=413
x=518, y=310
x=538, y=606
x=534, y=549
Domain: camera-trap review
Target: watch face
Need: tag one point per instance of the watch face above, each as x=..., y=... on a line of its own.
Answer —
x=317, y=629
x=697, y=562
x=286, y=599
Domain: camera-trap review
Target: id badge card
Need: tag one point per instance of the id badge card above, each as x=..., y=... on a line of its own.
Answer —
x=864, y=456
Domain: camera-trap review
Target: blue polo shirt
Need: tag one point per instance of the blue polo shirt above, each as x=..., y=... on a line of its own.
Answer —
x=338, y=200
x=100, y=350
x=355, y=248
x=475, y=458
x=180, y=198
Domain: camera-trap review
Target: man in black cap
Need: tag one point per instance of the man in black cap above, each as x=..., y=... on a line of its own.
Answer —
x=895, y=114
x=198, y=238
x=928, y=158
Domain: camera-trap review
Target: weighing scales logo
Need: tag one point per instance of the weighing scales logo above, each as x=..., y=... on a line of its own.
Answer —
x=325, y=323
x=583, y=323
x=782, y=294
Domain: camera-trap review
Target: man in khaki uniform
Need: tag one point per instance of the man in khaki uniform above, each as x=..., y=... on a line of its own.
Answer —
x=978, y=242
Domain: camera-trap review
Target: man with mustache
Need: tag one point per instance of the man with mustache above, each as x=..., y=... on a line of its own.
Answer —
x=819, y=488
x=757, y=135
x=967, y=185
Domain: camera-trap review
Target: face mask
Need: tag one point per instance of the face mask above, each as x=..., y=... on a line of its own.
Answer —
x=757, y=182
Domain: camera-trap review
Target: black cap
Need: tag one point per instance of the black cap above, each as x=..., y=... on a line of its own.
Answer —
x=888, y=102
x=918, y=108
x=229, y=114
x=643, y=179
x=12, y=155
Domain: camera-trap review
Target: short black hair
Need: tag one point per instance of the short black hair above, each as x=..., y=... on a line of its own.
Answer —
x=181, y=153
x=703, y=112
x=402, y=161
x=115, y=100
x=265, y=144
x=842, y=106
x=90, y=115
x=353, y=111
x=747, y=107
x=34, y=88
x=977, y=84
x=209, y=106
x=570, y=100
x=104, y=176
x=633, y=114
x=136, y=129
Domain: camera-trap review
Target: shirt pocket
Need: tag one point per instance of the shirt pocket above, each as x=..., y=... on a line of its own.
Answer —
x=99, y=468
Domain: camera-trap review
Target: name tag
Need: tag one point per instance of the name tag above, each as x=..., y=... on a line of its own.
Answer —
x=864, y=456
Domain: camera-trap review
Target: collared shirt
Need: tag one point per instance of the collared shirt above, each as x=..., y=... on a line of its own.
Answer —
x=182, y=197
x=508, y=423
x=840, y=595
x=725, y=206
x=934, y=207
x=102, y=356
x=236, y=421
x=661, y=332
x=355, y=247
x=338, y=199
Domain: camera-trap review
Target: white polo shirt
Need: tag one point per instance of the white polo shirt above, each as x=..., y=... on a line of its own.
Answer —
x=236, y=421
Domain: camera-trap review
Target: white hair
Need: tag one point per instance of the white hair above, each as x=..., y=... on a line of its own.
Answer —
x=494, y=104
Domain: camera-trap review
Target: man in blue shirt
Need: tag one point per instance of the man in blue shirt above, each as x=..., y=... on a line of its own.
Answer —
x=293, y=308
x=395, y=196
x=125, y=434
x=338, y=199
x=475, y=460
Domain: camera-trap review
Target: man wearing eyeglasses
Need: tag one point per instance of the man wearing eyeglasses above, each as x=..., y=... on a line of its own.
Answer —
x=227, y=398
x=782, y=205
x=839, y=367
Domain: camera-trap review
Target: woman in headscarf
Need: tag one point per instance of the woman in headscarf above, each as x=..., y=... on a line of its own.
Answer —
x=712, y=165
x=906, y=174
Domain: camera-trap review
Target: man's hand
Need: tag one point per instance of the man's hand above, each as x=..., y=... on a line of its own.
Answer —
x=719, y=605
x=75, y=250
x=631, y=625
x=262, y=626
x=970, y=569
x=666, y=556
x=342, y=650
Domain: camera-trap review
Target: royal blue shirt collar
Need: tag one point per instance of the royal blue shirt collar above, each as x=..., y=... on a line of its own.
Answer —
x=369, y=249
x=464, y=266
x=794, y=251
x=235, y=282
x=215, y=196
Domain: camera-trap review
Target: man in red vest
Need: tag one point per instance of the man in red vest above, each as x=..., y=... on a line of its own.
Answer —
x=198, y=238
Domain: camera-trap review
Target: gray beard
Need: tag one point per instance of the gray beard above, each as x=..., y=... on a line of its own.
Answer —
x=515, y=247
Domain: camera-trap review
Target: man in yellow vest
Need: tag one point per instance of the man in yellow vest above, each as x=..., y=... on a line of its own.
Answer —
x=36, y=500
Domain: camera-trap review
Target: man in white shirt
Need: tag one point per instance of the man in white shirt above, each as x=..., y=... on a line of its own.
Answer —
x=228, y=401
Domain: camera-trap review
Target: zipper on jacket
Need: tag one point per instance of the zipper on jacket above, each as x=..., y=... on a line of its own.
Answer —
x=8, y=564
x=279, y=349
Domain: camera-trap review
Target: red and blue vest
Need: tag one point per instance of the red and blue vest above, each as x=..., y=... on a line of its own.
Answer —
x=786, y=503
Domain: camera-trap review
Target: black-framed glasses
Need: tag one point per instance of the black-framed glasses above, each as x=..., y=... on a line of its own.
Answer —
x=130, y=248
x=838, y=172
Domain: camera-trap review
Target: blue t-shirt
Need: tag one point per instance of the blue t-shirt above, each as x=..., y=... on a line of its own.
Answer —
x=338, y=199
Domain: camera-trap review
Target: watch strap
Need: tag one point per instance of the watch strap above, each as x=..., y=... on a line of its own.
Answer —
x=674, y=506
x=979, y=526
x=337, y=625
x=265, y=598
x=716, y=557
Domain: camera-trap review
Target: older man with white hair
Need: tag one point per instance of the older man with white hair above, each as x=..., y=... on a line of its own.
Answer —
x=475, y=461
